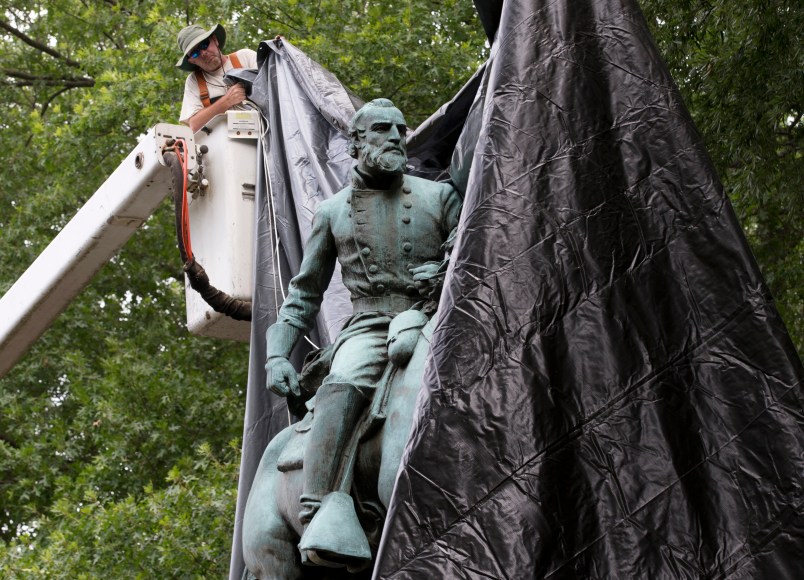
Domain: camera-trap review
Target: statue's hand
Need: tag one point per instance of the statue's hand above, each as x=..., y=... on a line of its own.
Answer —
x=426, y=277
x=281, y=377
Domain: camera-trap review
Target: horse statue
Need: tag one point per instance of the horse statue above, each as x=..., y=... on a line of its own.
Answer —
x=271, y=525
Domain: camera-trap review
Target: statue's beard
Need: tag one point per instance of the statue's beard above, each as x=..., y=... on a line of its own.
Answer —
x=385, y=160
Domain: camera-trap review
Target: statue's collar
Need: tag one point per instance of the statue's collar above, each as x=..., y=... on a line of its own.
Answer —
x=359, y=182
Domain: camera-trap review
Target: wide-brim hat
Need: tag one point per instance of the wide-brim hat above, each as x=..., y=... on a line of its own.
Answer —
x=191, y=36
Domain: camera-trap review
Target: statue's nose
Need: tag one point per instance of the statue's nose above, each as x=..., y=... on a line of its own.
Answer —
x=394, y=135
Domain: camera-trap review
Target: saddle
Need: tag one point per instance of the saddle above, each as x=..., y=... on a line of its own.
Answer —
x=316, y=368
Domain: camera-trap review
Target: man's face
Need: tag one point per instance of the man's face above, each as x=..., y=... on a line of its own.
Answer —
x=383, y=144
x=208, y=55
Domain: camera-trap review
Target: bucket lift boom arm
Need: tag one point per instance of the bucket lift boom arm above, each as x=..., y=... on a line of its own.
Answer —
x=100, y=228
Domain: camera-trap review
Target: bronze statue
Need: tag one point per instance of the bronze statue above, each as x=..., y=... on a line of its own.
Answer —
x=388, y=232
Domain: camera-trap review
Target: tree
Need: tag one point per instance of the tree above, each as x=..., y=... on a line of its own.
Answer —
x=739, y=67
x=119, y=431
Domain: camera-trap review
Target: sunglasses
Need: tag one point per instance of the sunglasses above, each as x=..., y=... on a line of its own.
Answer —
x=196, y=52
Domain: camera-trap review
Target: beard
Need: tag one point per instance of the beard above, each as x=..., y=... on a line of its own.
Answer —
x=385, y=160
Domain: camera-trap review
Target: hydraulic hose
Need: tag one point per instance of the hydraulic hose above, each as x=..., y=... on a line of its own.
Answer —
x=196, y=275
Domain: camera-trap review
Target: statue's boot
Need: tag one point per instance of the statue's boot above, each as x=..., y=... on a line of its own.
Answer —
x=333, y=535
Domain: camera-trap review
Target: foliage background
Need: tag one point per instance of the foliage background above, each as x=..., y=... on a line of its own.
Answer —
x=119, y=432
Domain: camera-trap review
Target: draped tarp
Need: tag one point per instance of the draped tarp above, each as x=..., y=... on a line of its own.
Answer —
x=611, y=392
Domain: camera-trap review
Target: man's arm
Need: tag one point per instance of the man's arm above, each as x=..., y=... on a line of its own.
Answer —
x=235, y=95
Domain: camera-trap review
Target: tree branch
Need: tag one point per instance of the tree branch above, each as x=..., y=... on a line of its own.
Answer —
x=51, y=83
x=117, y=45
x=27, y=79
x=46, y=104
x=36, y=44
x=407, y=82
x=271, y=17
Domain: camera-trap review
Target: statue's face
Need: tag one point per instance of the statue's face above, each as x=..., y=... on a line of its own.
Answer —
x=383, y=148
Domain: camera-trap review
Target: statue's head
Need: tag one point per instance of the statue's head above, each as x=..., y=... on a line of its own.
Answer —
x=377, y=134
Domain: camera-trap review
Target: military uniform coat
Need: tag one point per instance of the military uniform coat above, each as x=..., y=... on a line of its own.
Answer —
x=376, y=236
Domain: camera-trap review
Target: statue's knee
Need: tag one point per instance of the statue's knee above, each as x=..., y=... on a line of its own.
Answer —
x=331, y=392
x=403, y=335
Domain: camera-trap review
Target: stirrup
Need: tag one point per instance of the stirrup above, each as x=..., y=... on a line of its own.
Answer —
x=334, y=537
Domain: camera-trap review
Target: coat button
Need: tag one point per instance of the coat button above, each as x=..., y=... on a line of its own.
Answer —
x=411, y=289
x=406, y=189
x=380, y=287
x=373, y=269
x=348, y=200
x=365, y=251
x=406, y=220
x=407, y=246
x=408, y=205
x=410, y=266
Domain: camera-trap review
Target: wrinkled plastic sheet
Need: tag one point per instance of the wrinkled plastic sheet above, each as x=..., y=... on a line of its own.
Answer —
x=610, y=392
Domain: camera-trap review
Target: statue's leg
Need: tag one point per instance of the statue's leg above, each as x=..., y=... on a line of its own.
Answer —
x=338, y=406
x=332, y=532
x=357, y=364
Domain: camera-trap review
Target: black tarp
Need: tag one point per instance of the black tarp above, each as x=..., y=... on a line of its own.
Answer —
x=611, y=392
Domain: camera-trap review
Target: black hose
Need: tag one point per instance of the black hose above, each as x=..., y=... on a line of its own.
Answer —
x=197, y=276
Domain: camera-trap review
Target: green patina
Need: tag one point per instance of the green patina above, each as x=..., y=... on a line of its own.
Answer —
x=388, y=232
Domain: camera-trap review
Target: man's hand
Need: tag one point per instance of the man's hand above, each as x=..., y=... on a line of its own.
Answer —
x=235, y=95
x=281, y=377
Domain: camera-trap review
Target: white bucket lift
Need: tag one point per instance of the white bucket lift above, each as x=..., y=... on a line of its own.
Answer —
x=222, y=220
x=221, y=225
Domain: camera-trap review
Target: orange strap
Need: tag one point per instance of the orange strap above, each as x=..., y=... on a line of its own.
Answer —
x=203, y=90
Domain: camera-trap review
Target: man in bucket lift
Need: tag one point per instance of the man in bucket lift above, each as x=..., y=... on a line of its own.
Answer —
x=205, y=93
